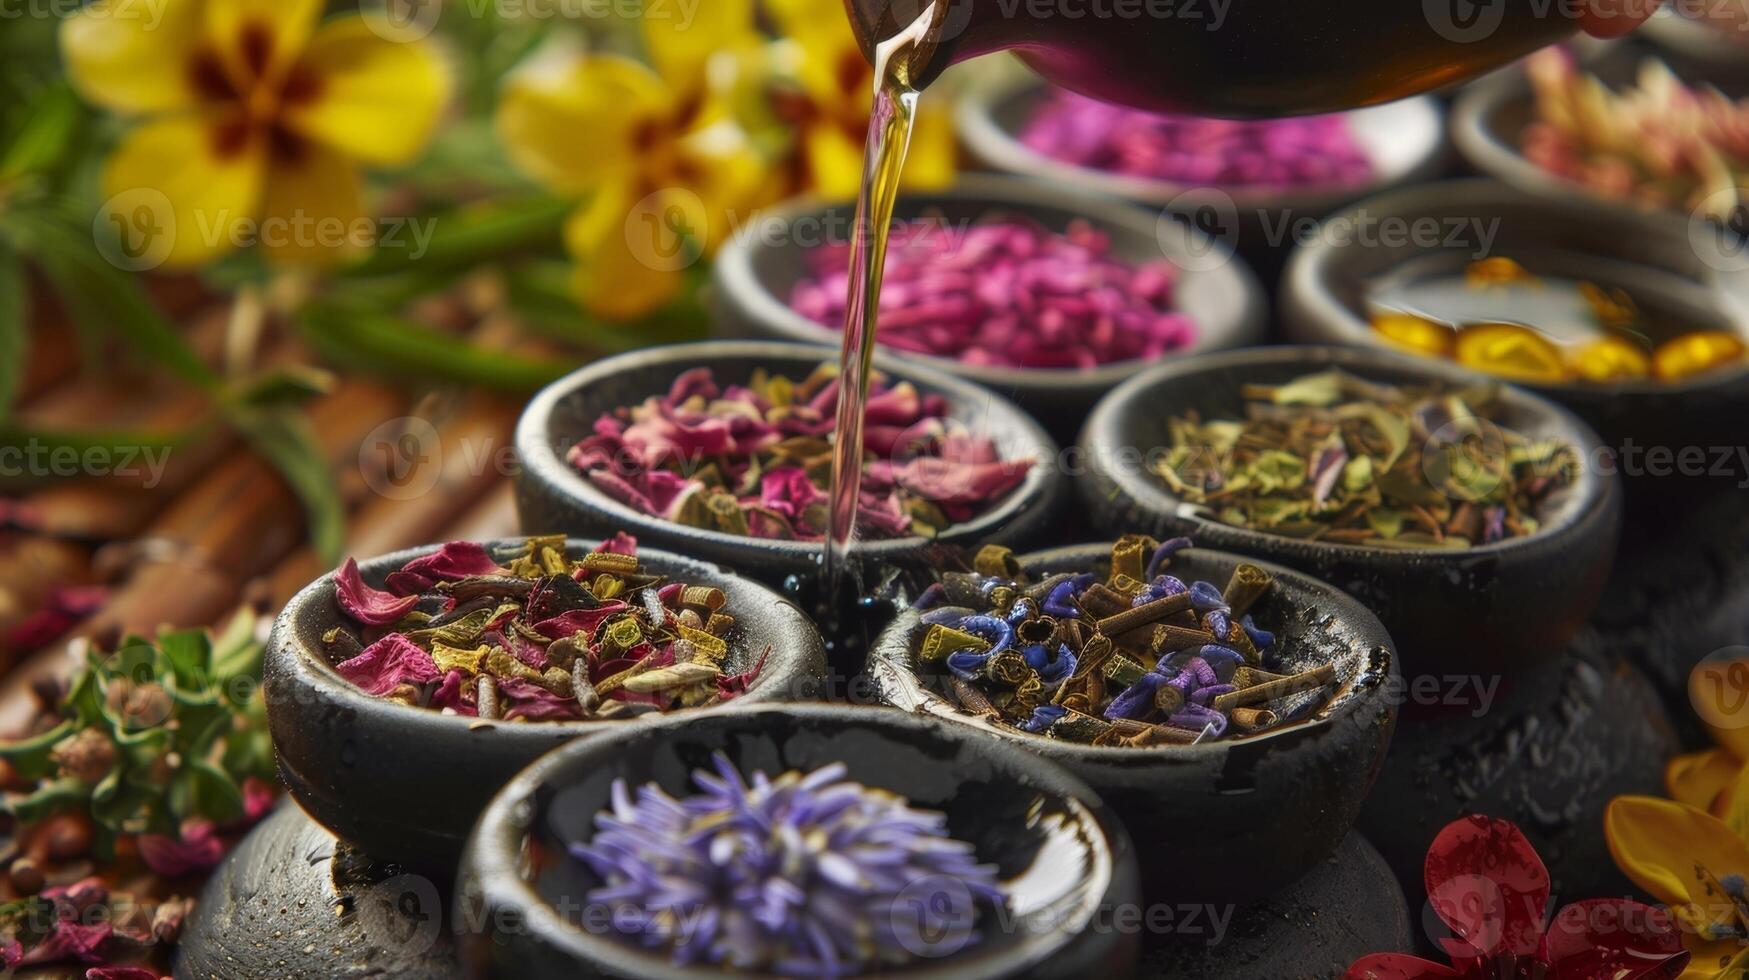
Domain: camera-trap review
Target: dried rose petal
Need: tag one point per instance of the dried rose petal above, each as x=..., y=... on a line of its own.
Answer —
x=388, y=663
x=1005, y=293
x=199, y=849
x=70, y=940
x=452, y=562
x=365, y=604
x=524, y=699
x=122, y=973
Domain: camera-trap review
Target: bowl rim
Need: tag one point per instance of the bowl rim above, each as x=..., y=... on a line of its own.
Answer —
x=987, y=139
x=306, y=666
x=493, y=859
x=1371, y=636
x=735, y=276
x=1309, y=298
x=1590, y=493
x=540, y=460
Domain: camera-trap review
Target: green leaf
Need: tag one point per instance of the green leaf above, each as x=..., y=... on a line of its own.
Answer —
x=473, y=234
x=203, y=790
x=389, y=345
x=236, y=653
x=189, y=653
x=285, y=441
x=29, y=757
x=286, y=386
x=48, y=799
x=14, y=332
x=46, y=135
x=116, y=801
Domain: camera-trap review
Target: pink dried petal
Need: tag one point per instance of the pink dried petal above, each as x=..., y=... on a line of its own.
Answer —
x=259, y=797
x=449, y=694
x=69, y=940
x=454, y=561
x=372, y=607
x=388, y=663
x=524, y=699
x=65, y=607
x=199, y=849
x=620, y=544
x=579, y=621
x=123, y=973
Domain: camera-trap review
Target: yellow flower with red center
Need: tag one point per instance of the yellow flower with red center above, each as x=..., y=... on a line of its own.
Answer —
x=656, y=153
x=255, y=117
x=828, y=101
x=1692, y=851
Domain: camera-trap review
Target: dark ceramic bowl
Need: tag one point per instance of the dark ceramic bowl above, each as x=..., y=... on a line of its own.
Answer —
x=1056, y=848
x=552, y=496
x=406, y=783
x=756, y=274
x=1404, y=140
x=1481, y=608
x=1235, y=819
x=1326, y=293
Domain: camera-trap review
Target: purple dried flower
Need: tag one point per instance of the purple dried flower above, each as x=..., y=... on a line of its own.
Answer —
x=1307, y=152
x=1164, y=554
x=802, y=875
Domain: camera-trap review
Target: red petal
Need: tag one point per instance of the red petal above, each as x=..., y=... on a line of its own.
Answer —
x=388, y=662
x=199, y=850
x=121, y=973
x=1487, y=883
x=455, y=560
x=373, y=607
x=1613, y=939
x=620, y=544
x=1397, y=966
x=69, y=940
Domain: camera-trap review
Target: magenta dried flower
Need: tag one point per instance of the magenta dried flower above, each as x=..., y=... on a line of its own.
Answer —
x=387, y=664
x=365, y=604
x=802, y=875
x=755, y=460
x=1317, y=152
x=1009, y=294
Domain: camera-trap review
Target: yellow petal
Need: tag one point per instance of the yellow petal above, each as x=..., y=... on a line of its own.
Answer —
x=682, y=40
x=1673, y=851
x=1719, y=691
x=1717, y=959
x=823, y=54
x=199, y=191
x=312, y=212
x=574, y=126
x=132, y=56
x=257, y=40
x=631, y=254
x=1698, y=779
x=834, y=162
x=376, y=100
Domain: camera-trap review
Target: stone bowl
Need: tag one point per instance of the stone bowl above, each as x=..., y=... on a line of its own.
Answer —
x=405, y=783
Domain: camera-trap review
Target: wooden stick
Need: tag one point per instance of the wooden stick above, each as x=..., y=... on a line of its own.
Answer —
x=1310, y=680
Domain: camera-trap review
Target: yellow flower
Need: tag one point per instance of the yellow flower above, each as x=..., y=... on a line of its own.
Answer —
x=1694, y=863
x=1707, y=780
x=255, y=117
x=656, y=152
x=830, y=101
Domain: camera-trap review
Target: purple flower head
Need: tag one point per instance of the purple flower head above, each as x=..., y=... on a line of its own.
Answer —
x=1262, y=639
x=1207, y=598
x=803, y=875
x=1163, y=555
x=1057, y=603
x=1043, y=717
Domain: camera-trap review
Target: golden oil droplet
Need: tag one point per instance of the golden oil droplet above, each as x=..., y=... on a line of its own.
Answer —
x=1696, y=353
x=1610, y=359
x=1497, y=271
x=1511, y=351
x=1417, y=335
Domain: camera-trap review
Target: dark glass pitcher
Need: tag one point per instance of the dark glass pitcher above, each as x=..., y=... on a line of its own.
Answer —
x=1237, y=58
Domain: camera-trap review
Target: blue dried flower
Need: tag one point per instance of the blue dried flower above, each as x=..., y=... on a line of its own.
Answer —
x=802, y=875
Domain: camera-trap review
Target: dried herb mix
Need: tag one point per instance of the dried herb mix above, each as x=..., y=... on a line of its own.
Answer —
x=1140, y=658
x=1332, y=457
x=1296, y=152
x=755, y=460
x=544, y=638
x=801, y=875
x=1009, y=293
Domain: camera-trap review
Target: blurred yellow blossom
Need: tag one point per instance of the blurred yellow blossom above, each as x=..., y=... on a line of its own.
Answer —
x=1694, y=863
x=654, y=149
x=255, y=117
x=825, y=92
